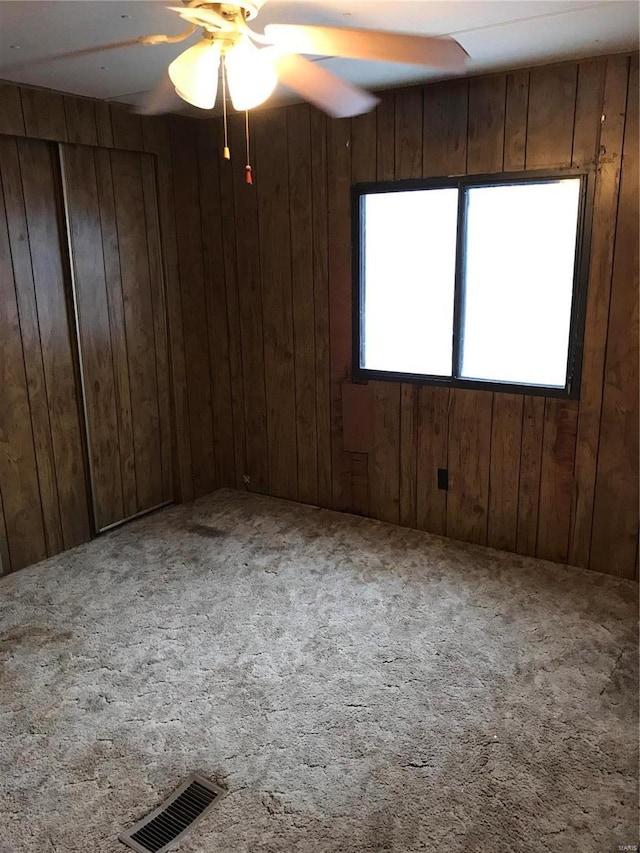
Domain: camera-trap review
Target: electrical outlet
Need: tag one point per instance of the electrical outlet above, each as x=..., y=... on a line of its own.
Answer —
x=246, y=479
x=443, y=479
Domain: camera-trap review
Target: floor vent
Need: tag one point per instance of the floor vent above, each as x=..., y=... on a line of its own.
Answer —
x=160, y=831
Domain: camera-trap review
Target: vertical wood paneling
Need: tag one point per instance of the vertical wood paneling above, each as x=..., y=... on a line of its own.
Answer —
x=250, y=310
x=41, y=260
x=139, y=325
x=615, y=521
x=193, y=303
x=301, y=231
x=319, y=188
x=487, y=97
x=552, y=101
x=11, y=116
x=22, y=509
x=501, y=449
x=126, y=127
x=5, y=559
x=80, y=121
x=598, y=298
x=433, y=445
x=158, y=309
x=530, y=465
x=445, y=128
x=90, y=287
x=157, y=140
x=270, y=135
x=409, y=396
x=468, y=463
x=586, y=128
x=104, y=128
x=360, y=483
x=556, y=479
x=408, y=133
x=515, y=121
x=510, y=124
x=521, y=446
x=339, y=180
x=117, y=329
x=215, y=279
x=32, y=350
x=40, y=180
x=233, y=311
x=44, y=114
x=504, y=474
x=115, y=252
x=553, y=122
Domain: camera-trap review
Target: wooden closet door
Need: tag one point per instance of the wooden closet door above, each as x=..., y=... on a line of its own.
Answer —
x=112, y=218
x=43, y=478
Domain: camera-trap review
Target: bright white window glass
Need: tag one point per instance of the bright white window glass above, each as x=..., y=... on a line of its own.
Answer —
x=520, y=255
x=409, y=277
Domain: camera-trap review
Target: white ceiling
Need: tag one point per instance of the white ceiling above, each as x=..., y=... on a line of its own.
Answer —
x=497, y=34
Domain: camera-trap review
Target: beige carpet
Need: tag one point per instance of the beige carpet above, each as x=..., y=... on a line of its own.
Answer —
x=355, y=686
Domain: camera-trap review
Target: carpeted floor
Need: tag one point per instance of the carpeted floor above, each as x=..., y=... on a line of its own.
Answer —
x=355, y=687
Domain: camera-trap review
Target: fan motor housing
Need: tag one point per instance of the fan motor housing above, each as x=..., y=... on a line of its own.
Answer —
x=248, y=8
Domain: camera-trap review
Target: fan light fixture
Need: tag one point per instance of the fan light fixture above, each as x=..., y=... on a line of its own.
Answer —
x=195, y=74
x=251, y=75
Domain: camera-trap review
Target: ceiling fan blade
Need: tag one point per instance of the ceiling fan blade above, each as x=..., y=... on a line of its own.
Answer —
x=439, y=52
x=87, y=51
x=202, y=17
x=71, y=54
x=162, y=99
x=322, y=88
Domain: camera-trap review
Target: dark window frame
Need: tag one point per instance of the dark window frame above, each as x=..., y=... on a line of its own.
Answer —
x=571, y=389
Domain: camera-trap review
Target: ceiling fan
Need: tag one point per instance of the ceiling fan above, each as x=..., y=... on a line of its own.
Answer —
x=250, y=64
x=253, y=71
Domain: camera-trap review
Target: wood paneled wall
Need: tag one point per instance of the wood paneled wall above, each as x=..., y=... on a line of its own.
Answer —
x=112, y=223
x=268, y=319
x=43, y=476
x=43, y=115
x=259, y=306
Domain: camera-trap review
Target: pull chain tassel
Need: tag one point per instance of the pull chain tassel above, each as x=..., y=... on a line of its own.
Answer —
x=248, y=174
x=225, y=151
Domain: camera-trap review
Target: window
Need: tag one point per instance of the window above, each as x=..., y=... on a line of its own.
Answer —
x=474, y=281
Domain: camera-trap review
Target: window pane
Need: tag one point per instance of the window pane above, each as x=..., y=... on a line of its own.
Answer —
x=409, y=274
x=520, y=252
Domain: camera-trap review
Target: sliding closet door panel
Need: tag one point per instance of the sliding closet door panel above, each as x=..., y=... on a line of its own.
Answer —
x=139, y=324
x=94, y=332
x=123, y=331
x=5, y=559
x=21, y=505
x=159, y=321
x=118, y=332
x=43, y=477
x=45, y=218
x=32, y=353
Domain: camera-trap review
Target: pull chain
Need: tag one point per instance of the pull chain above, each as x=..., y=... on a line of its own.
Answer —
x=225, y=153
x=247, y=169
